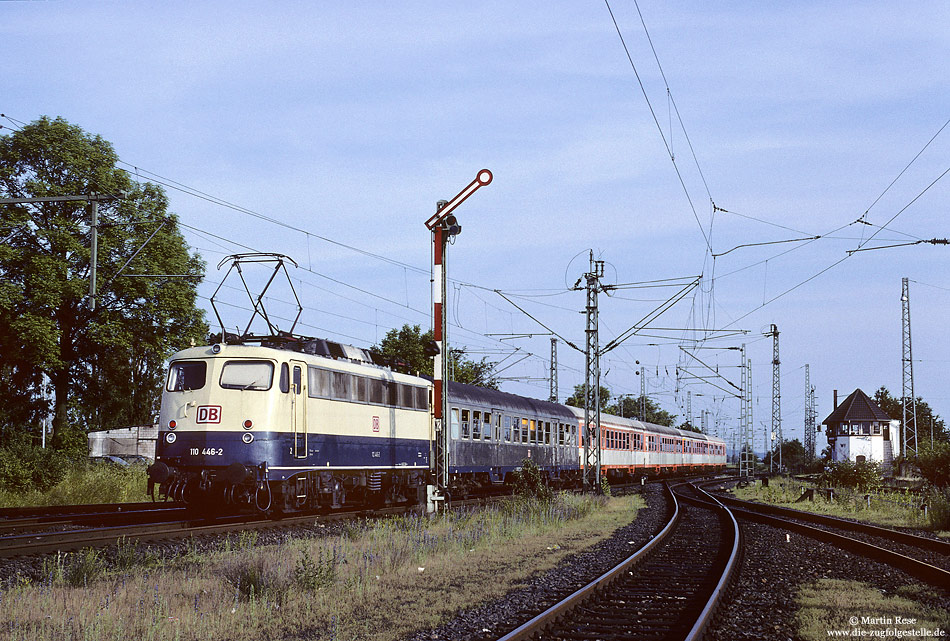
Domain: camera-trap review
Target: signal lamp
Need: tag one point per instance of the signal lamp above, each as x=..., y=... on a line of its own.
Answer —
x=248, y=424
x=172, y=425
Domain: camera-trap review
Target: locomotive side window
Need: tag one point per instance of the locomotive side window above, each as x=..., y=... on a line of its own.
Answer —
x=377, y=391
x=362, y=389
x=187, y=375
x=284, y=378
x=319, y=382
x=340, y=385
x=422, y=398
x=247, y=375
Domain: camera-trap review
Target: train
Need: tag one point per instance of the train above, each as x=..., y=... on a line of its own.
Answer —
x=284, y=424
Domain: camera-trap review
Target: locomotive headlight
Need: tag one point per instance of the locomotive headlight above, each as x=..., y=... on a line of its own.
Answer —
x=172, y=425
x=215, y=349
x=170, y=438
x=248, y=424
x=247, y=437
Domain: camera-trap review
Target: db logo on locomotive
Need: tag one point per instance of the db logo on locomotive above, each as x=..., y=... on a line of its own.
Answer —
x=208, y=414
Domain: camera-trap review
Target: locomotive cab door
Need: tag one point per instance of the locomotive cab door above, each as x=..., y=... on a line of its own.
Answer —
x=298, y=407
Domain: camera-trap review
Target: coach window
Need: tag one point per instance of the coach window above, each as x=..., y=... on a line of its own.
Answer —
x=486, y=429
x=465, y=424
x=455, y=423
x=533, y=432
x=524, y=430
x=507, y=425
x=185, y=375
x=476, y=425
x=247, y=375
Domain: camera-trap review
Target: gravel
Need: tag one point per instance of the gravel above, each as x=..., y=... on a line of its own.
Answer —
x=492, y=620
x=760, y=604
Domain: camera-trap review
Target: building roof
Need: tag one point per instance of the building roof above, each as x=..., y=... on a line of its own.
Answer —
x=857, y=407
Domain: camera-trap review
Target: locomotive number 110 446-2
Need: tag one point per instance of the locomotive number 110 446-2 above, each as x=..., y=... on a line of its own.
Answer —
x=207, y=451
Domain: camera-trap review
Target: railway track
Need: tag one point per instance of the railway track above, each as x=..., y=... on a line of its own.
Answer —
x=925, y=559
x=669, y=589
x=21, y=521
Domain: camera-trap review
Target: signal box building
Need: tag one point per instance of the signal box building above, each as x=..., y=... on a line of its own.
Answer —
x=858, y=431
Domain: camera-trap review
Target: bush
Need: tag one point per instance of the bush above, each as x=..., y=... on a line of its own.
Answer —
x=863, y=477
x=24, y=467
x=253, y=577
x=934, y=464
x=529, y=484
x=938, y=502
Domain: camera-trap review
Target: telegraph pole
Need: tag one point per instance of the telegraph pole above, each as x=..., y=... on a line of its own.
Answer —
x=908, y=400
x=443, y=226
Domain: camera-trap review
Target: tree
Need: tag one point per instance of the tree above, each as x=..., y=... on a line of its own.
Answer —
x=632, y=408
x=104, y=365
x=408, y=344
x=926, y=418
x=792, y=455
x=577, y=399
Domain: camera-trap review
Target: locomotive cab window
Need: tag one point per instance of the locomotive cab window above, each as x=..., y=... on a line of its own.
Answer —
x=187, y=375
x=247, y=375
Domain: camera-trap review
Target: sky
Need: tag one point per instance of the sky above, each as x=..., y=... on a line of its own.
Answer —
x=674, y=140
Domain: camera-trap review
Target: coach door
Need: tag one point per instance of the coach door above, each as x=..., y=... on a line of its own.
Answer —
x=298, y=404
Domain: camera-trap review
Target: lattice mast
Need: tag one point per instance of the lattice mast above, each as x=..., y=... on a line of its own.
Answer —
x=809, y=418
x=776, y=398
x=592, y=378
x=746, y=454
x=908, y=400
x=553, y=395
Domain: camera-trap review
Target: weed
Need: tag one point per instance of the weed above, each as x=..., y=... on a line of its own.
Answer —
x=84, y=567
x=310, y=574
x=253, y=577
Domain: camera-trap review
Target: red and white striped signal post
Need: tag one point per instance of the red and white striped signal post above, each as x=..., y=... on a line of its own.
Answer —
x=443, y=226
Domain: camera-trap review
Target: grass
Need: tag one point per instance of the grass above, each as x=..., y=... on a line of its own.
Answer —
x=830, y=605
x=379, y=581
x=887, y=510
x=86, y=484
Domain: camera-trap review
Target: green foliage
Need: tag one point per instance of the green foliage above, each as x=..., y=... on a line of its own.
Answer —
x=604, y=486
x=926, y=419
x=934, y=464
x=315, y=574
x=104, y=365
x=629, y=407
x=24, y=467
x=408, y=345
x=255, y=577
x=792, y=455
x=863, y=477
x=83, y=568
x=529, y=483
x=937, y=500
